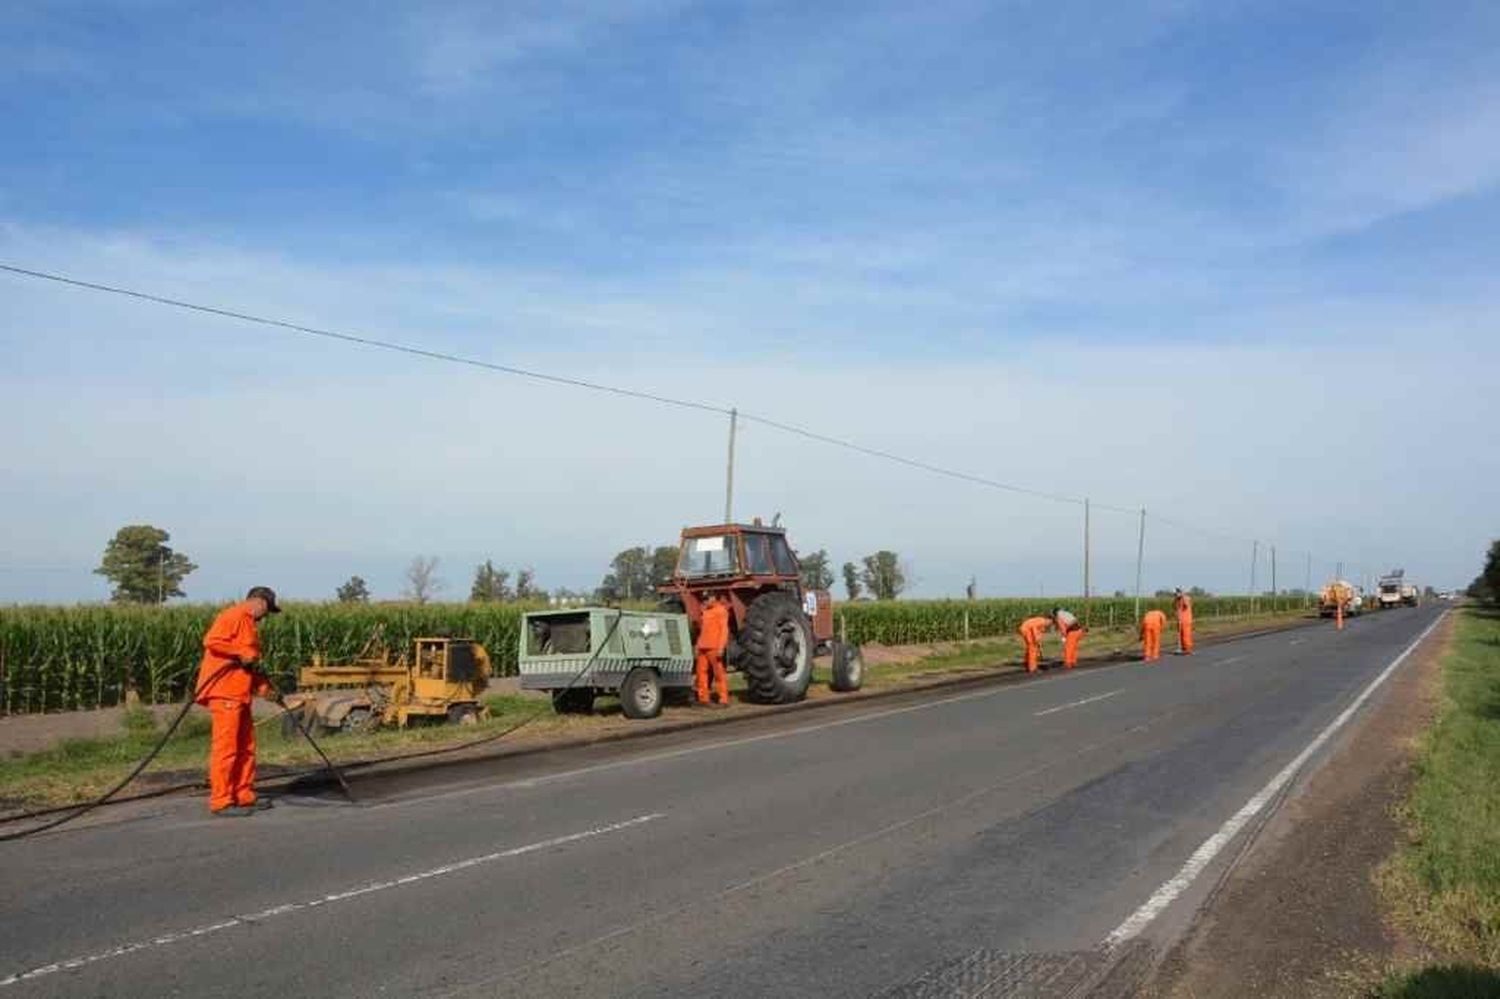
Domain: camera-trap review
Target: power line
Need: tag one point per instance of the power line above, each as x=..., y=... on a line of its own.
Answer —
x=437, y=355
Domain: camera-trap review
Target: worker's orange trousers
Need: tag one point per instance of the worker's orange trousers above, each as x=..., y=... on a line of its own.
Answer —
x=1150, y=644
x=1185, y=636
x=1070, y=647
x=706, y=663
x=1033, y=644
x=231, y=754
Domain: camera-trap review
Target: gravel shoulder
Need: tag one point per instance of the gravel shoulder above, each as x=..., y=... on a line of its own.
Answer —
x=1299, y=915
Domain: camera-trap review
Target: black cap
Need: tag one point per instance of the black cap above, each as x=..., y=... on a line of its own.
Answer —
x=268, y=595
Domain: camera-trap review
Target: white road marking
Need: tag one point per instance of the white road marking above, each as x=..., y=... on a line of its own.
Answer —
x=1178, y=883
x=1075, y=704
x=1295, y=641
x=1231, y=659
x=342, y=896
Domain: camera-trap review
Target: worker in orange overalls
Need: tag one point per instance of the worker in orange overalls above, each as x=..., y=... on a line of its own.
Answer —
x=713, y=638
x=1183, y=605
x=1153, y=623
x=228, y=677
x=1032, y=629
x=1072, y=632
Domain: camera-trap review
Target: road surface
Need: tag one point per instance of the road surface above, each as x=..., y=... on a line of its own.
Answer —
x=1029, y=834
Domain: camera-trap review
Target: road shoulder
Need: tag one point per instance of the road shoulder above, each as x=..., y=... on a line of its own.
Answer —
x=1299, y=915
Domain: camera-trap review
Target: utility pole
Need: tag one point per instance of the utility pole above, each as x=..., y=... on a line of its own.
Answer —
x=734, y=419
x=1140, y=554
x=1273, y=579
x=1307, y=590
x=1085, y=560
x=1254, y=558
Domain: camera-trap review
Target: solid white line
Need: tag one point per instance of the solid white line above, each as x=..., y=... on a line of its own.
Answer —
x=1074, y=704
x=253, y=918
x=1178, y=883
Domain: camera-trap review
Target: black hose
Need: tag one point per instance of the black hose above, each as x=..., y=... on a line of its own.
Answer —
x=296, y=717
x=161, y=743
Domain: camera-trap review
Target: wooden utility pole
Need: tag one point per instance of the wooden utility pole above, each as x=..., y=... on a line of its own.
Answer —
x=1140, y=555
x=1085, y=561
x=734, y=419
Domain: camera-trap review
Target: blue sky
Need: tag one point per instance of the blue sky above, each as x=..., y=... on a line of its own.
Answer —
x=1232, y=261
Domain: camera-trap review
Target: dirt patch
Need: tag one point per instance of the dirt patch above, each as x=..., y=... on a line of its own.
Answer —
x=1299, y=915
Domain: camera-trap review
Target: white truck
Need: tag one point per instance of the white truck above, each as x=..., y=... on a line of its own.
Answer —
x=1388, y=593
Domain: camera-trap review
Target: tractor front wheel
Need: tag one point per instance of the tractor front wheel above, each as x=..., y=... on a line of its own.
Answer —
x=776, y=650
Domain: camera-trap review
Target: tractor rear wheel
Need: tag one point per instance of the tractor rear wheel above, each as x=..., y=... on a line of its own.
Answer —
x=775, y=650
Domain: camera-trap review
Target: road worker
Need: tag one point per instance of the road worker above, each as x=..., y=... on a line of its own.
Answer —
x=228, y=677
x=1032, y=629
x=1153, y=623
x=1072, y=632
x=1183, y=605
x=713, y=638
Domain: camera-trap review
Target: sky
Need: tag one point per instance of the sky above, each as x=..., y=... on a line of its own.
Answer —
x=1232, y=262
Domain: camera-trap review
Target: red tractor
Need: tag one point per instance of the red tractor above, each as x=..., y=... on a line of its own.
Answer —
x=776, y=624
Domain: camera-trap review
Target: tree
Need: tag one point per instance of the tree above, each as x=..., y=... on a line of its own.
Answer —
x=971, y=591
x=629, y=577
x=143, y=567
x=490, y=584
x=526, y=588
x=816, y=575
x=851, y=580
x=883, y=575
x=1491, y=573
x=422, y=583
x=354, y=592
x=663, y=564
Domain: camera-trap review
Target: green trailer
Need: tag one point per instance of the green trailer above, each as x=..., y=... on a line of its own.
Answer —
x=581, y=652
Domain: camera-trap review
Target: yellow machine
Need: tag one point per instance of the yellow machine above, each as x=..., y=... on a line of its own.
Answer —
x=441, y=681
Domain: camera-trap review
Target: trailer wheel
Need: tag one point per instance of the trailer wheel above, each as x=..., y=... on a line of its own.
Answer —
x=359, y=720
x=848, y=667
x=573, y=700
x=463, y=714
x=775, y=650
x=640, y=693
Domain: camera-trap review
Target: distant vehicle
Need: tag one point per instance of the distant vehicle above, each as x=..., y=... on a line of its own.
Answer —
x=1337, y=593
x=1410, y=595
x=1388, y=593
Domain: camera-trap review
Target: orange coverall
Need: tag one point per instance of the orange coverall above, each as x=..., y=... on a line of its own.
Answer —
x=1072, y=633
x=1153, y=623
x=1031, y=631
x=713, y=637
x=230, y=639
x=1184, y=606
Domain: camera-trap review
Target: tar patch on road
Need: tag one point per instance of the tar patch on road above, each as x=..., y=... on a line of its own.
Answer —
x=989, y=974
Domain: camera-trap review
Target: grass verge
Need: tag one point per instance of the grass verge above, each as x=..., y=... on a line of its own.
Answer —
x=1443, y=885
x=78, y=770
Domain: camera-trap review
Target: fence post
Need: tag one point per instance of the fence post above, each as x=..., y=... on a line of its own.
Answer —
x=966, y=624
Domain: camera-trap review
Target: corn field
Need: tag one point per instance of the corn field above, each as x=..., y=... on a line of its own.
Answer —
x=68, y=658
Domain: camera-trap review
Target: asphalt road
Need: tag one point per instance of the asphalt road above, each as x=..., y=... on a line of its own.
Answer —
x=916, y=846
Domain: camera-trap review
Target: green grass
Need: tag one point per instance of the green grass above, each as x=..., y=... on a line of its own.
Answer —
x=1444, y=884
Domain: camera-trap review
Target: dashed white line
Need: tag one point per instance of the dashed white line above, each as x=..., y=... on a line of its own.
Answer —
x=1179, y=882
x=253, y=918
x=1231, y=659
x=1075, y=704
x=1296, y=641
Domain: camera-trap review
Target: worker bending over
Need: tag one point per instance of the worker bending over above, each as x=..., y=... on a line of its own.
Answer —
x=1072, y=631
x=228, y=677
x=713, y=638
x=1153, y=623
x=1183, y=605
x=1032, y=629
